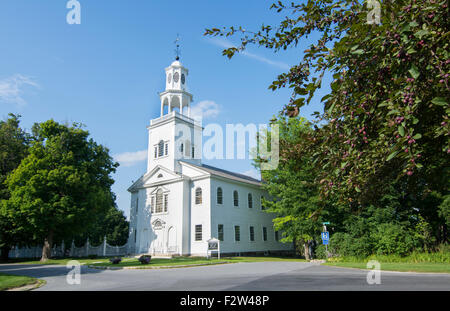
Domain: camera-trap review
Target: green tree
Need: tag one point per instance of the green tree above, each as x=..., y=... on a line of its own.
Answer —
x=113, y=225
x=387, y=115
x=13, y=148
x=294, y=196
x=61, y=185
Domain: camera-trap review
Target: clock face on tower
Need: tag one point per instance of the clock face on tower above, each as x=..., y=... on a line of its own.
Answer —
x=169, y=77
x=183, y=78
x=176, y=76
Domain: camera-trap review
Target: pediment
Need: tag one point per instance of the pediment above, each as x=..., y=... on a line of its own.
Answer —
x=159, y=174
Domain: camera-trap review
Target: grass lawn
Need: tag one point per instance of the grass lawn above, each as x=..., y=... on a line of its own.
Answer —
x=398, y=266
x=176, y=261
x=59, y=261
x=8, y=281
x=127, y=262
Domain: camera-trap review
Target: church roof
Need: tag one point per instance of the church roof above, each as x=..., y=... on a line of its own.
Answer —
x=226, y=174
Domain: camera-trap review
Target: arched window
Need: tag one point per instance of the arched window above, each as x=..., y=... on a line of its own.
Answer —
x=166, y=202
x=262, y=205
x=160, y=148
x=219, y=196
x=250, y=201
x=198, y=196
x=236, y=198
x=188, y=146
x=159, y=201
x=181, y=148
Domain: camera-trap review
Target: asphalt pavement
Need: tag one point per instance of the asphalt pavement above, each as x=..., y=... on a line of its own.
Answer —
x=257, y=276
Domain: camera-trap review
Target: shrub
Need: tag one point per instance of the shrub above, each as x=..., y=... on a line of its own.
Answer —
x=115, y=260
x=145, y=259
x=92, y=256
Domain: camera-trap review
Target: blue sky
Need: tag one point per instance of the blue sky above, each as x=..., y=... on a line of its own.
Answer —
x=106, y=72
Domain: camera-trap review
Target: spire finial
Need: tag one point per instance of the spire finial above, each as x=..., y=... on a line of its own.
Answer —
x=177, y=49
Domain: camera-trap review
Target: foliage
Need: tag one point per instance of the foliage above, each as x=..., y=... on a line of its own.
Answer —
x=365, y=138
x=113, y=225
x=61, y=185
x=294, y=195
x=14, y=143
x=145, y=259
x=115, y=260
x=384, y=134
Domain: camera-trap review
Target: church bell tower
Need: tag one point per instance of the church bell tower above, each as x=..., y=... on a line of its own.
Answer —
x=174, y=135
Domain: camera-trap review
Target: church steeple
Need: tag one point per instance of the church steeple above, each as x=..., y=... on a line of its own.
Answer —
x=174, y=136
x=176, y=96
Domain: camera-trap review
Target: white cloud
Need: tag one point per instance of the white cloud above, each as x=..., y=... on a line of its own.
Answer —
x=253, y=173
x=205, y=109
x=11, y=89
x=226, y=44
x=131, y=158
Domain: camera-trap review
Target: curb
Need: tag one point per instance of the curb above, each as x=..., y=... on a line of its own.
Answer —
x=156, y=267
x=29, y=287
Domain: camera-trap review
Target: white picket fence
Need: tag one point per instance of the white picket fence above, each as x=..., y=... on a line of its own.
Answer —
x=103, y=249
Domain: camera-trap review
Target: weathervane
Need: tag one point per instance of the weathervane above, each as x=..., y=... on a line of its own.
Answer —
x=177, y=50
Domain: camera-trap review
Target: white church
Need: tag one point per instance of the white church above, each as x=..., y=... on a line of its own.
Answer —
x=180, y=203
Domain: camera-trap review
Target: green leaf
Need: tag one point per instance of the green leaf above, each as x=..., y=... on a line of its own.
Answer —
x=440, y=101
x=392, y=155
x=401, y=130
x=358, y=52
x=414, y=72
x=417, y=136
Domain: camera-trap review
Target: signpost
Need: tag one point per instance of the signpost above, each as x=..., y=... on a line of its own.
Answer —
x=213, y=245
x=325, y=236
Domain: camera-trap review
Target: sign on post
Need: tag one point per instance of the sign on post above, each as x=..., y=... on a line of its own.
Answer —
x=325, y=237
x=214, y=245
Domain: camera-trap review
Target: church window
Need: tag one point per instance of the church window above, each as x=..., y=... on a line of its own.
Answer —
x=276, y=236
x=135, y=231
x=198, y=196
x=188, y=145
x=159, y=201
x=156, y=152
x=198, y=232
x=262, y=205
x=219, y=196
x=166, y=149
x=250, y=201
x=193, y=153
x=252, y=233
x=161, y=148
x=237, y=233
x=137, y=205
x=220, y=232
x=181, y=148
x=153, y=204
x=160, y=175
x=166, y=202
x=236, y=198
x=264, y=233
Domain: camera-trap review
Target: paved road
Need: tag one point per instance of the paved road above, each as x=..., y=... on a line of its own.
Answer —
x=285, y=276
